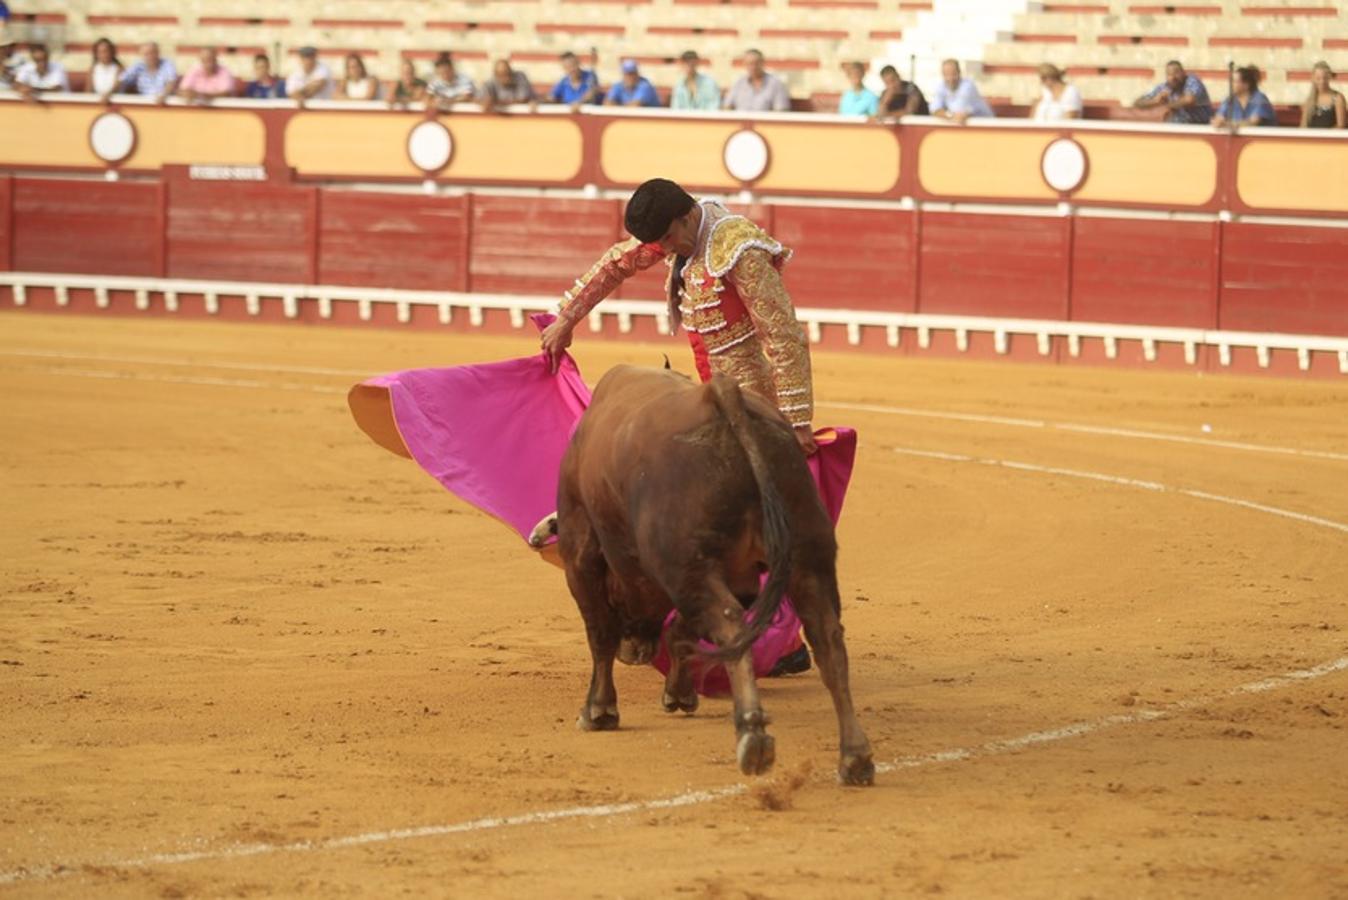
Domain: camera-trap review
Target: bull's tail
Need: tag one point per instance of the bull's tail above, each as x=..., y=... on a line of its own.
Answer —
x=776, y=528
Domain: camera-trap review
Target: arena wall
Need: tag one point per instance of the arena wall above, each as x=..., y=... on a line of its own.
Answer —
x=999, y=239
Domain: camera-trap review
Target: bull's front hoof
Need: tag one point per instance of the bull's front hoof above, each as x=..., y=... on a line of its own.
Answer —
x=756, y=752
x=597, y=718
x=857, y=771
x=673, y=704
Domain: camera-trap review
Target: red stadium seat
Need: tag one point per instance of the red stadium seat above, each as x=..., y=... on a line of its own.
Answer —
x=470, y=26
x=357, y=23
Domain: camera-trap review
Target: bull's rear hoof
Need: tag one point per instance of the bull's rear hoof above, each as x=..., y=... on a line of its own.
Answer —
x=597, y=719
x=674, y=704
x=858, y=771
x=756, y=752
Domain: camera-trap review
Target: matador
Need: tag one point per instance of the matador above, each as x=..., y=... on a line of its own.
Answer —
x=724, y=287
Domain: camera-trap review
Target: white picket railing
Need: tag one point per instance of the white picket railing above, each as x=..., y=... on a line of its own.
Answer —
x=920, y=326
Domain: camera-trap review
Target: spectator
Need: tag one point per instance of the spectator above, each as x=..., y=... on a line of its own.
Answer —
x=41, y=75
x=632, y=89
x=310, y=79
x=957, y=98
x=857, y=101
x=265, y=85
x=505, y=87
x=448, y=86
x=10, y=60
x=1059, y=100
x=901, y=98
x=151, y=75
x=409, y=88
x=757, y=90
x=577, y=86
x=694, y=90
x=1183, y=96
x=1324, y=106
x=207, y=80
x=106, y=70
x=358, y=83
x=1247, y=107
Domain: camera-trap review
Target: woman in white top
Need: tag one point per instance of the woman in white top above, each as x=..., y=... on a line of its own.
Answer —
x=107, y=70
x=1060, y=100
x=359, y=84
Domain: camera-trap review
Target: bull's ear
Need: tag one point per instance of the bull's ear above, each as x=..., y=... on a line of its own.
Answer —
x=667, y=365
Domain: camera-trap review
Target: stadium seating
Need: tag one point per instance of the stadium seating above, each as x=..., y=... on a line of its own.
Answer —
x=1113, y=49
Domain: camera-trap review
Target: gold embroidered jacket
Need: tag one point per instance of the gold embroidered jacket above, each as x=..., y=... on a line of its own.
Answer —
x=739, y=317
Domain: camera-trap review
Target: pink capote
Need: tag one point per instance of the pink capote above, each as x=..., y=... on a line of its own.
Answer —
x=494, y=434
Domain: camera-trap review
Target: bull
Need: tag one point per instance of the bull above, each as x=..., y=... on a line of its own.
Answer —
x=681, y=496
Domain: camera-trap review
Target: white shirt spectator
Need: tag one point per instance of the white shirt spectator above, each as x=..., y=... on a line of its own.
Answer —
x=105, y=78
x=299, y=80
x=361, y=89
x=54, y=79
x=1056, y=109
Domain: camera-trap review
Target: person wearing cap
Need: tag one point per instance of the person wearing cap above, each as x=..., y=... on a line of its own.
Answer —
x=724, y=287
x=632, y=89
x=151, y=75
x=694, y=90
x=310, y=79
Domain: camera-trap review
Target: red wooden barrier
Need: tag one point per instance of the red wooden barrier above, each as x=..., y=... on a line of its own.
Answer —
x=6, y=222
x=1284, y=278
x=86, y=227
x=853, y=258
x=232, y=231
x=989, y=265
x=1233, y=276
x=1144, y=272
x=393, y=240
x=536, y=245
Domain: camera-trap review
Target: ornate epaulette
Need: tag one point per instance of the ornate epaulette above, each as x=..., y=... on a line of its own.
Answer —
x=733, y=235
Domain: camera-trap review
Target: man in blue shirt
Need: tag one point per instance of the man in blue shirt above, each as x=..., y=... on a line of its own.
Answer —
x=633, y=89
x=1247, y=107
x=578, y=86
x=1184, y=97
x=151, y=75
x=957, y=98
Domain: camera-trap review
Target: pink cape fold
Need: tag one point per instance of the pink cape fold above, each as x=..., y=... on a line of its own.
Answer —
x=493, y=434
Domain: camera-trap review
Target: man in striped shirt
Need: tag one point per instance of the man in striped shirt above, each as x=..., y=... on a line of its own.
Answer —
x=151, y=76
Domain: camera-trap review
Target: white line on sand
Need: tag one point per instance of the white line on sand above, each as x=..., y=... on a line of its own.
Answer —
x=183, y=363
x=1129, y=482
x=947, y=415
x=692, y=798
x=1083, y=429
x=186, y=379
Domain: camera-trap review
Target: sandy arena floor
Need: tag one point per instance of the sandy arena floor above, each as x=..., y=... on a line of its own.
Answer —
x=247, y=652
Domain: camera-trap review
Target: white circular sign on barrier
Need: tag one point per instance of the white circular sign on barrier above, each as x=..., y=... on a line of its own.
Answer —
x=429, y=146
x=1064, y=165
x=746, y=155
x=112, y=137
